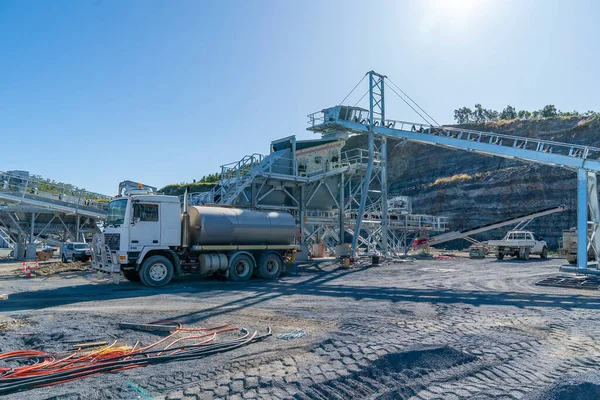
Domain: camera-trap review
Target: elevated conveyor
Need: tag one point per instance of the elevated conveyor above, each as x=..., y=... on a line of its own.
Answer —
x=465, y=234
x=585, y=160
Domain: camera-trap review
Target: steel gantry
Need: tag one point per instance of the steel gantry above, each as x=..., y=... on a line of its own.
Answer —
x=322, y=184
x=585, y=160
x=35, y=210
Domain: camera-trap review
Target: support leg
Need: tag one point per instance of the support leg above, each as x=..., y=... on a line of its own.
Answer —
x=582, y=218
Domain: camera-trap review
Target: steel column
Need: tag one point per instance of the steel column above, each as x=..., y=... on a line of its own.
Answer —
x=78, y=223
x=367, y=179
x=341, y=209
x=594, y=212
x=582, y=218
x=31, y=235
x=384, y=198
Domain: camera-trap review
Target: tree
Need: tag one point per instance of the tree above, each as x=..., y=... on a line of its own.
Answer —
x=490, y=115
x=524, y=114
x=568, y=114
x=508, y=113
x=549, y=111
x=479, y=113
x=463, y=115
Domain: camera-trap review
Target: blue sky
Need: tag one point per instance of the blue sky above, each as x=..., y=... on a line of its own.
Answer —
x=96, y=92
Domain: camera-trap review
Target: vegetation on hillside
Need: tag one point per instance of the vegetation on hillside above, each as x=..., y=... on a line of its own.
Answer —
x=465, y=115
x=204, y=184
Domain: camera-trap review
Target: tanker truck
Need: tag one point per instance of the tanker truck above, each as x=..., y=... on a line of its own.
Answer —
x=151, y=238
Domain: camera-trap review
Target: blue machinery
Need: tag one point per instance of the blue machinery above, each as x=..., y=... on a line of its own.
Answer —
x=584, y=160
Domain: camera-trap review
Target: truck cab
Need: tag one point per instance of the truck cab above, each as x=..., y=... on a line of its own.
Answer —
x=136, y=224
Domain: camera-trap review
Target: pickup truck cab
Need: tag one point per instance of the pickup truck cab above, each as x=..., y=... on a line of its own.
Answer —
x=520, y=244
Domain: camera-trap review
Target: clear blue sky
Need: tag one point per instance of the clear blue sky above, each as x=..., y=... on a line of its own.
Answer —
x=95, y=92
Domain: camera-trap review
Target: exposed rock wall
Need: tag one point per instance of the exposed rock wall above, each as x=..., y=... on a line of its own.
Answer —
x=474, y=190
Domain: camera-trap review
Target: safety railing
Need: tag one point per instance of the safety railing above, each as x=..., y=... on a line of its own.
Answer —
x=499, y=139
x=34, y=187
x=242, y=167
x=405, y=221
x=316, y=118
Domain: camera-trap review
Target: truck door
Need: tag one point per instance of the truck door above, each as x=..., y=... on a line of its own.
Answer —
x=145, y=229
x=537, y=247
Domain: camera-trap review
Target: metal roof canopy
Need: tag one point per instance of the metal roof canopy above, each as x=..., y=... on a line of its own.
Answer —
x=583, y=159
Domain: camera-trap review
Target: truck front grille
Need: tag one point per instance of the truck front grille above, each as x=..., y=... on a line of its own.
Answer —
x=113, y=240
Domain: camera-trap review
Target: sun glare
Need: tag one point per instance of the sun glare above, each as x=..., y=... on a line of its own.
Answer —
x=449, y=13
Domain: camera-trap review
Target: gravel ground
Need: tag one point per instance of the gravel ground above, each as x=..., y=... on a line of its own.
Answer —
x=429, y=329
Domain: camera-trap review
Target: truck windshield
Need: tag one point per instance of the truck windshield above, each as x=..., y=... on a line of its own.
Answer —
x=116, y=212
x=81, y=246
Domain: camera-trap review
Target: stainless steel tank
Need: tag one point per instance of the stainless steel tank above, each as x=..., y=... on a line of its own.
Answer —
x=223, y=226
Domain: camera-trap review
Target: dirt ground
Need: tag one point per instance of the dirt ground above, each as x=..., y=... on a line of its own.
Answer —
x=424, y=329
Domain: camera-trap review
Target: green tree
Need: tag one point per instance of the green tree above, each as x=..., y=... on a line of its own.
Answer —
x=463, y=115
x=490, y=115
x=549, y=111
x=508, y=113
x=524, y=114
x=479, y=113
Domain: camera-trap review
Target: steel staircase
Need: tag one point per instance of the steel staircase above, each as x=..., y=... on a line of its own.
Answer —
x=6, y=237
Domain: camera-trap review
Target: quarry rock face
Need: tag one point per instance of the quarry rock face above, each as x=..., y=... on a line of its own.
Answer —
x=474, y=190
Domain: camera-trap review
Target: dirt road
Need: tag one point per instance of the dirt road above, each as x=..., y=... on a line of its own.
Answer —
x=429, y=329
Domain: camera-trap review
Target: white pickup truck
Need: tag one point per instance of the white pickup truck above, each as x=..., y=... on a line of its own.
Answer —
x=520, y=244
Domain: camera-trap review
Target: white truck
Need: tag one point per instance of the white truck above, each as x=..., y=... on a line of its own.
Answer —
x=149, y=238
x=569, y=246
x=520, y=244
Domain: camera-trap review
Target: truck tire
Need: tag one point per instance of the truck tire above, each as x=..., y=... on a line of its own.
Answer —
x=241, y=267
x=270, y=265
x=131, y=275
x=544, y=253
x=526, y=254
x=156, y=271
x=572, y=259
x=500, y=256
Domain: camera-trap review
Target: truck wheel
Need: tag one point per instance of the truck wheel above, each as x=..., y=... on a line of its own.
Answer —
x=270, y=265
x=131, y=275
x=241, y=268
x=156, y=271
x=544, y=253
x=572, y=260
x=526, y=254
x=500, y=256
